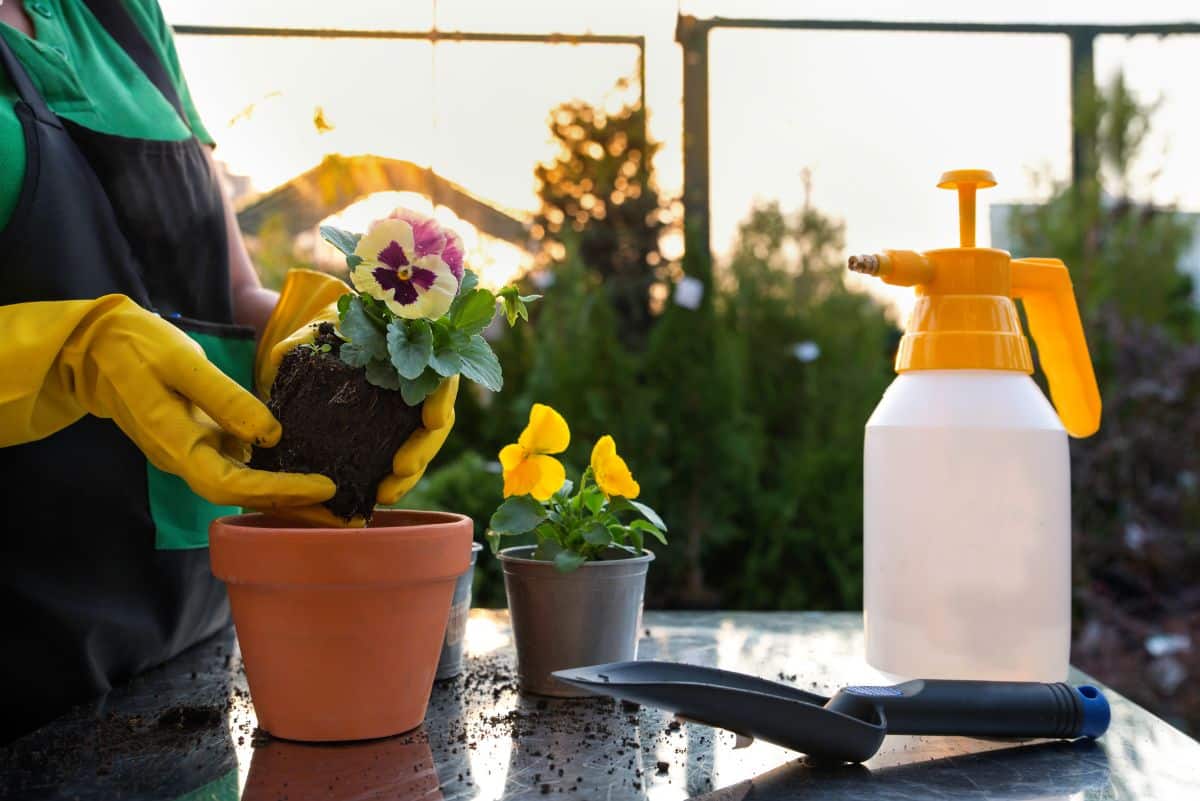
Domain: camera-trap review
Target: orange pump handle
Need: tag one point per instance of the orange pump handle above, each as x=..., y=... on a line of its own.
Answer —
x=1044, y=287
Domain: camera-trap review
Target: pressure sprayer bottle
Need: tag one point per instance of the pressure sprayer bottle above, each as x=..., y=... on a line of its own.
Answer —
x=967, y=496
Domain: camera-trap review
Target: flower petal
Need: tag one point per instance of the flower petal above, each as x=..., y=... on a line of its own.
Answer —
x=613, y=476
x=432, y=238
x=604, y=449
x=364, y=280
x=423, y=278
x=547, y=431
x=511, y=456
x=627, y=487
x=381, y=235
x=393, y=255
x=428, y=237
x=551, y=476
x=434, y=301
x=522, y=478
x=452, y=253
x=401, y=290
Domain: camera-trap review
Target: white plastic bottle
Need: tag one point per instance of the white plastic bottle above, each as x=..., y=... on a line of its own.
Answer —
x=967, y=529
x=967, y=492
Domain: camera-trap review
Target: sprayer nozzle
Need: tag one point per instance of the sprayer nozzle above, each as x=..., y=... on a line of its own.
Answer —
x=898, y=267
x=867, y=264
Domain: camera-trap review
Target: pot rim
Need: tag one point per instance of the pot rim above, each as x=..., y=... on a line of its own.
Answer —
x=506, y=555
x=251, y=523
x=405, y=547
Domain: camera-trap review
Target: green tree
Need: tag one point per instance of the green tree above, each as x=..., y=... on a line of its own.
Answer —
x=599, y=186
x=816, y=358
x=1120, y=250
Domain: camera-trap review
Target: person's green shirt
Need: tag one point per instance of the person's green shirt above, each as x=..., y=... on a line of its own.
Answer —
x=88, y=79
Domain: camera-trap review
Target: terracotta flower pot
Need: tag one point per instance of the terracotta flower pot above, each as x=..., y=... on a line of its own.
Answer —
x=341, y=629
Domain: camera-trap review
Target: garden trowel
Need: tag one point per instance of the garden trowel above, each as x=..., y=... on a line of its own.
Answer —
x=850, y=726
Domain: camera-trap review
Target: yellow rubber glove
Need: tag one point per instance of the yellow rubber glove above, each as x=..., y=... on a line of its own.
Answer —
x=111, y=358
x=307, y=299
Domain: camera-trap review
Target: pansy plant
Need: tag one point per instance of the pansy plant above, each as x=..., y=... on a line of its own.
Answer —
x=599, y=519
x=417, y=315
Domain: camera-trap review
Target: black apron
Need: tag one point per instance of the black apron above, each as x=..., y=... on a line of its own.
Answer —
x=103, y=558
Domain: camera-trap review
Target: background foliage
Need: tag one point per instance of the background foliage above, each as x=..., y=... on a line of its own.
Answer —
x=1136, y=500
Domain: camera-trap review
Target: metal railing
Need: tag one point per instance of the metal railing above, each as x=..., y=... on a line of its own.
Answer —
x=692, y=35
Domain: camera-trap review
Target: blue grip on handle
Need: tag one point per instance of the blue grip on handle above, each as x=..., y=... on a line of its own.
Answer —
x=1096, y=712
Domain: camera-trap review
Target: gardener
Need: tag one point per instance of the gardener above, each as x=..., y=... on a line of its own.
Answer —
x=128, y=311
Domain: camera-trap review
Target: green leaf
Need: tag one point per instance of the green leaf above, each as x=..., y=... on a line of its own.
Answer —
x=377, y=310
x=470, y=280
x=382, y=374
x=358, y=329
x=343, y=303
x=546, y=531
x=514, y=304
x=479, y=363
x=517, y=515
x=415, y=390
x=410, y=345
x=344, y=241
x=547, y=550
x=472, y=312
x=649, y=514
x=649, y=528
x=636, y=538
x=593, y=499
x=354, y=355
x=567, y=560
x=597, y=534
x=445, y=359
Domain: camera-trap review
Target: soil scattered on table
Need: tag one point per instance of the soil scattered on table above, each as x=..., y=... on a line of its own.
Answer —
x=559, y=746
x=335, y=423
x=189, y=718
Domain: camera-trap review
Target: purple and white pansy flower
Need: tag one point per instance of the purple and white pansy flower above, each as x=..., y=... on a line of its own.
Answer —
x=410, y=263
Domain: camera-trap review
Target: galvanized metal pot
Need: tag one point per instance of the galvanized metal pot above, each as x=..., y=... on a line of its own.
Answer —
x=450, y=663
x=565, y=620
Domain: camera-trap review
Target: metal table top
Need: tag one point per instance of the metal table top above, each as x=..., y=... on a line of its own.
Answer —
x=187, y=731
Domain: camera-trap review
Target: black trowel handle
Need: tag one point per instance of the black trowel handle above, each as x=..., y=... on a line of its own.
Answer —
x=980, y=708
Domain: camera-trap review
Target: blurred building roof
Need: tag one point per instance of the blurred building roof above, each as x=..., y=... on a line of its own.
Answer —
x=304, y=201
x=1000, y=214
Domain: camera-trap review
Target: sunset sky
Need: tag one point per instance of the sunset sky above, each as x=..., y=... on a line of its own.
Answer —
x=875, y=117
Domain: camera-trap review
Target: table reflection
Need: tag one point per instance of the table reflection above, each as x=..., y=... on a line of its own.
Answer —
x=1040, y=772
x=392, y=769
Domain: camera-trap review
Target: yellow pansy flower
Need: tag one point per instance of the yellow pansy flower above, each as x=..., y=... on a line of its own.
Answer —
x=612, y=474
x=528, y=467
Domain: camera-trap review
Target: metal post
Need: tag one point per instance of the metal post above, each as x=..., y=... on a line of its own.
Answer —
x=692, y=34
x=1084, y=109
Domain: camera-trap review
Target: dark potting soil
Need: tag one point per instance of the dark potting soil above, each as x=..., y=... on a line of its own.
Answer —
x=335, y=423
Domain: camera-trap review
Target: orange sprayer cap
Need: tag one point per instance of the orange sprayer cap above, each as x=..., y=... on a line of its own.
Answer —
x=965, y=318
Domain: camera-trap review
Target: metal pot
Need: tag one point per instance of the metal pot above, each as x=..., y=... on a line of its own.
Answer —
x=450, y=663
x=563, y=620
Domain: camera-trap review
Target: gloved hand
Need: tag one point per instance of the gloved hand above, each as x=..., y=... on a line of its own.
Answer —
x=309, y=298
x=112, y=358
